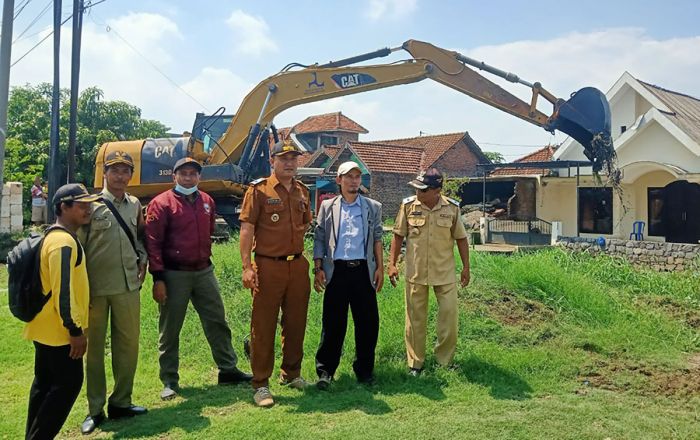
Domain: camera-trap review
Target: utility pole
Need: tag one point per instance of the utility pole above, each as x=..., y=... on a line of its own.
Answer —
x=74, y=85
x=8, y=11
x=54, y=170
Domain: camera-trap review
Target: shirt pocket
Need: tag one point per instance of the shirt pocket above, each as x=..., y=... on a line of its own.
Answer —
x=414, y=225
x=101, y=224
x=445, y=222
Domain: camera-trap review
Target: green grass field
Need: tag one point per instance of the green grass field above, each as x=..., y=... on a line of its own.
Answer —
x=551, y=346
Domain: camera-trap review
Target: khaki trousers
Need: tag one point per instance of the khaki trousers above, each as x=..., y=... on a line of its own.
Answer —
x=416, y=321
x=202, y=289
x=282, y=285
x=122, y=311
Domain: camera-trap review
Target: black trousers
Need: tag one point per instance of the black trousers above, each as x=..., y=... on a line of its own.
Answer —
x=349, y=286
x=57, y=383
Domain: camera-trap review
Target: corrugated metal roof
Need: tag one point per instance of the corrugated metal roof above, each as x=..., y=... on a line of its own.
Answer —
x=686, y=109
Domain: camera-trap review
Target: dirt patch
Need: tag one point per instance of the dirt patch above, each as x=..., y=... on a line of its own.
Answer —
x=513, y=310
x=690, y=315
x=640, y=378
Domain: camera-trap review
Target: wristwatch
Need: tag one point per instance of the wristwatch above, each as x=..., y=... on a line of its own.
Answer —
x=316, y=270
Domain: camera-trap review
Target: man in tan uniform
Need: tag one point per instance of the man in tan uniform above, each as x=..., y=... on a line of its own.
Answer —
x=116, y=268
x=431, y=224
x=274, y=217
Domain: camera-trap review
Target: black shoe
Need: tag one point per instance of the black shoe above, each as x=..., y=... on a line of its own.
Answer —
x=415, y=372
x=92, y=422
x=234, y=377
x=324, y=381
x=366, y=381
x=118, y=413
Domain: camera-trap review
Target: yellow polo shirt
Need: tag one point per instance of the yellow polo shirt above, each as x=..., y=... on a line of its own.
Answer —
x=70, y=295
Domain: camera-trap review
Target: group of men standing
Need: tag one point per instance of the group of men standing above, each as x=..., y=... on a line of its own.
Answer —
x=100, y=243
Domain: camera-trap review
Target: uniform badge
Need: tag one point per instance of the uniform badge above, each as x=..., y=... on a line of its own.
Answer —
x=272, y=201
x=416, y=213
x=275, y=217
x=207, y=208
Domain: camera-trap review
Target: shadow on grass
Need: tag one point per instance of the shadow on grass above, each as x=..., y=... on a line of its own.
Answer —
x=346, y=394
x=184, y=413
x=503, y=384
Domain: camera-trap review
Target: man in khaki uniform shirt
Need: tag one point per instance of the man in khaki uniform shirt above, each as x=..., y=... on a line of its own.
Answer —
x=431, y=224
x=115, y=271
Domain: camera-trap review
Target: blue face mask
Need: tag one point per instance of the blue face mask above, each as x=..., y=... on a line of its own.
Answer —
x=186, y=191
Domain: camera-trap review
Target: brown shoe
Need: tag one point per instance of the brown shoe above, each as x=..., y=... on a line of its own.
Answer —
x=298, y=383
x=263, y=397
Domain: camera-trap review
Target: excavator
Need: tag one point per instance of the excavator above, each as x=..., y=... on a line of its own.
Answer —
x=241, y=154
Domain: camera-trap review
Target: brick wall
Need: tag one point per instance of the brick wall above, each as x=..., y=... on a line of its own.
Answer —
x=521, y=206
x=458, y=161
x=390, y=189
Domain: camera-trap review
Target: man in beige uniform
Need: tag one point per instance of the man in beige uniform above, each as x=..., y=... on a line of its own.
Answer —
x=431, y=224
x=116, y=269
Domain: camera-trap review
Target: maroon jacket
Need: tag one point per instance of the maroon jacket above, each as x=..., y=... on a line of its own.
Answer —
x=178, y=232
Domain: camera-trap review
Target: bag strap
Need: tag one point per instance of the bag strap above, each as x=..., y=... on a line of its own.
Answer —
x=122, y=223
x=54, y=227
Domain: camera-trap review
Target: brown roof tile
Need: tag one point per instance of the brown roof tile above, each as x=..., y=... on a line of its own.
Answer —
x=542, y=155
x=434, y=146
x=388, y=158
x=328, y=122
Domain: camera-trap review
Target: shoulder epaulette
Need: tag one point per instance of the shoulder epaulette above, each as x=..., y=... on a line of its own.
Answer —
x=257, y=181
x=453, y=201
x=409, y=199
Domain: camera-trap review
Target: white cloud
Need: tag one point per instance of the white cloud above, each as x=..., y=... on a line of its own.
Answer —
x=563, y=64
x=251, y=34
x=393, y=9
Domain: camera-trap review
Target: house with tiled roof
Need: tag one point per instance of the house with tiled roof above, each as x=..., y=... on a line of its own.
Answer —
x=389, y=165
x=544, y=154
x=656, y=136
x=326, y=129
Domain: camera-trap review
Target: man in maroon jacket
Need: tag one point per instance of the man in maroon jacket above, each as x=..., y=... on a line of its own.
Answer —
x=179, y=224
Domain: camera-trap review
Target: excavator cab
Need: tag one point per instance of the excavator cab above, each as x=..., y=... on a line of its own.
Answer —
x=586, y=118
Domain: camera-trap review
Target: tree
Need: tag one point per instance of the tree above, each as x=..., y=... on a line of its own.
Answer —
x=494, y=156
x=99, y=121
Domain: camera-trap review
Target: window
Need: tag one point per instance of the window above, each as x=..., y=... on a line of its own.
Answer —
x=329, y=140
x=595, y=210
x=655, y=204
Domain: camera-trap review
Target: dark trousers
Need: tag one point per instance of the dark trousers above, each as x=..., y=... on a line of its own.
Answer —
x=57, y=383
x=349, y=286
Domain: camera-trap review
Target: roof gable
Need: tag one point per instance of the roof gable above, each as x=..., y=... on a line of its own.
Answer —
x=678, y=113
x=329, y=122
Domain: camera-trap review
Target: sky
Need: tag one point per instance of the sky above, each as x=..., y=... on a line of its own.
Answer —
x=175, y=58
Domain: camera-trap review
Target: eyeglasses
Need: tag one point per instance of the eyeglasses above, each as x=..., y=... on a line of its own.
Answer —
x=424, y=190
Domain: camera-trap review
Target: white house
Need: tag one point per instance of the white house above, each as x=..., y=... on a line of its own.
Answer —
x=656, y=134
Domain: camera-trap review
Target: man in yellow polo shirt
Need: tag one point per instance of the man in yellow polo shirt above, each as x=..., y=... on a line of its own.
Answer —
x=58, y=330
x=431, y=224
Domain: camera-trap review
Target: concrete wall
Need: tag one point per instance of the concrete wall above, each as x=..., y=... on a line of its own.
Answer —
x=11, y=212
x=664, y=257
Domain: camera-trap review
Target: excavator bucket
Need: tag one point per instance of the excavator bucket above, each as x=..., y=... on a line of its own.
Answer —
x=586, y=118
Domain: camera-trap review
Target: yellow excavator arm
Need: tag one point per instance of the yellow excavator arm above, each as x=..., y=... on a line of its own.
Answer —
x=314, y=83
x=241, y=153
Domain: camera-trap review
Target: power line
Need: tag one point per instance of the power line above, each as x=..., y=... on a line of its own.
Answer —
x=33, y=22
x=20, y=8
x=152, y=64
x=51, y=33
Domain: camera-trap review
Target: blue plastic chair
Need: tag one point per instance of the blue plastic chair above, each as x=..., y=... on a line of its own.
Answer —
x=637, y=231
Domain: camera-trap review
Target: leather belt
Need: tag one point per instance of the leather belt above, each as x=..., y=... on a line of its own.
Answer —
x=349, y=263
x=282, y=258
